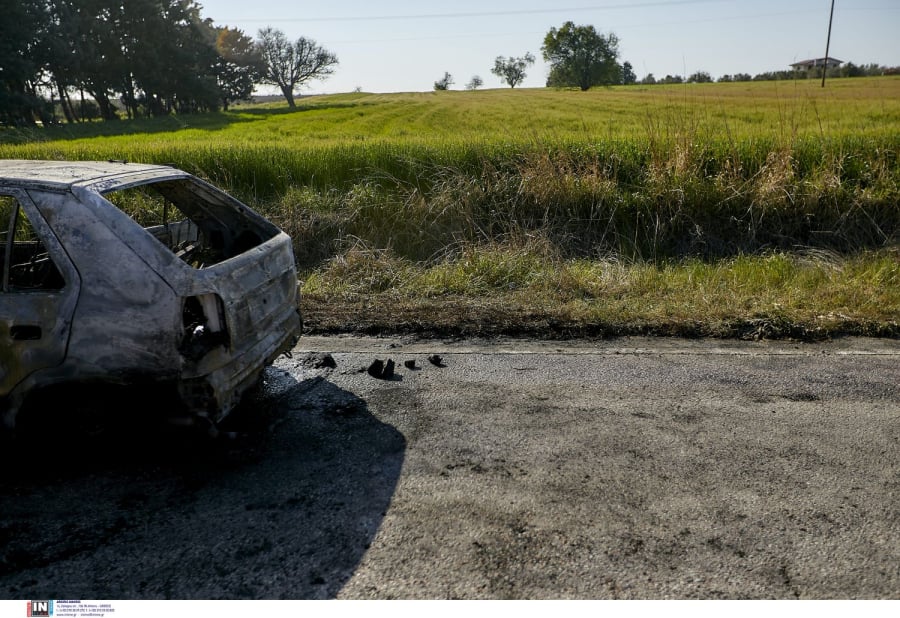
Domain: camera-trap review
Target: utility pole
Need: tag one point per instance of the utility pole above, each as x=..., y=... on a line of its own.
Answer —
x=827, y=44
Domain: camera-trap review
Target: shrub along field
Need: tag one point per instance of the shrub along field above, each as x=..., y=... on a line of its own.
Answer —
x=736, y=209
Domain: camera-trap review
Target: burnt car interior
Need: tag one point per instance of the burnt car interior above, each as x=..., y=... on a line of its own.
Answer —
x=25, y=263
x=202, y=227
x=198, y=225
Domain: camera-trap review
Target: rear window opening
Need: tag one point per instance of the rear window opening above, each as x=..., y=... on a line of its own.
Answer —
x=199, y=224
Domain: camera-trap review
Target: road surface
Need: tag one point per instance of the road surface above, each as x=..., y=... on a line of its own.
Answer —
x=629, y=468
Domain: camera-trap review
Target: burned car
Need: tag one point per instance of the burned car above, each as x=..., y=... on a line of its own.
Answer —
x=117, y=274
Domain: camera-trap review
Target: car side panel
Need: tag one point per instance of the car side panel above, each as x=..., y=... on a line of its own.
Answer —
x=127, y=322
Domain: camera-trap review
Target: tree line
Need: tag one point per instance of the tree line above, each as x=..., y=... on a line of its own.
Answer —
x=580, y=57
x=846, y=70
x=101, y=58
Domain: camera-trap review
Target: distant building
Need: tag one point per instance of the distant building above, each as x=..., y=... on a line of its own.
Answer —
x=806, y=65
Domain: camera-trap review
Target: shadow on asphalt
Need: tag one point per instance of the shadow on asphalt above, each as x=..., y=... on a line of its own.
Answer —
x=283, y=506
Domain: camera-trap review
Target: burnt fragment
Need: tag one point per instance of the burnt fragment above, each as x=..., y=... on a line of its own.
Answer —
x=376, y=368
x=383, y=370
x=436, y=360
x=388, y=372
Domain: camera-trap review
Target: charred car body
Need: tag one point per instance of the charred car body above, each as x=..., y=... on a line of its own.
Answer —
x=118, y=274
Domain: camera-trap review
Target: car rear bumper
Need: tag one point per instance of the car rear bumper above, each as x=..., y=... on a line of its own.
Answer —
x=216, y=393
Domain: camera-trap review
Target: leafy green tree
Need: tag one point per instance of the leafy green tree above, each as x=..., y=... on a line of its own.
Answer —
x=628, y=75
x=169, y=66
x=61, y=57
x=851, y=70
x=239, y=66
x=581, y=57
x=152, y=56
x=19, y=69
x=475, y=83
x=95, y=50
x=649, y=79
x=876, y=69
x=444, y=83
x=155, y=56
x=288, y=65
x=101, y=51
x=512, y=70
x=786, y=75
x=700, y=77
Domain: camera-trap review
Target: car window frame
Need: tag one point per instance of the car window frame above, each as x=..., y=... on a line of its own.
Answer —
x=45, y=235
x=7, y=249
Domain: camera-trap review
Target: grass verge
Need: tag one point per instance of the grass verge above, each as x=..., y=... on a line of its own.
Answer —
x=527, y=290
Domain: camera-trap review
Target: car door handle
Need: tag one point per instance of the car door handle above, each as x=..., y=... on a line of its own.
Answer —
x=25, y=332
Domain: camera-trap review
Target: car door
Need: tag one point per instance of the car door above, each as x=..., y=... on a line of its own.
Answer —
x=38, y=292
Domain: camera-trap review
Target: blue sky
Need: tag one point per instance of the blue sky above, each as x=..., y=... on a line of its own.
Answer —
x=404, y=45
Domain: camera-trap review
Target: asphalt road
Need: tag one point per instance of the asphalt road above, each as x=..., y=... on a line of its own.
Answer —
x=630, y=468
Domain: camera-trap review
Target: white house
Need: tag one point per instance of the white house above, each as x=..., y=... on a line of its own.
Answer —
x=806, y=65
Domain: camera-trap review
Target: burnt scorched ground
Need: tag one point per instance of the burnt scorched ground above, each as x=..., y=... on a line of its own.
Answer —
x=283, y=508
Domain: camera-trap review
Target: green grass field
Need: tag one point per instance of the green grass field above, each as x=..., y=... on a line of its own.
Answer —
x=739, y=209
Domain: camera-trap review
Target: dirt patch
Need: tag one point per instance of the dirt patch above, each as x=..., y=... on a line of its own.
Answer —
x=465, y=317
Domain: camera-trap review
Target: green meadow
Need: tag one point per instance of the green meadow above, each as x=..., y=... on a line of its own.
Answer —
x=753, y=209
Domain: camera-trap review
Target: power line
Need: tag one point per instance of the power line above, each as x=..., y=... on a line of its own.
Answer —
x=642, y=25
x=473, y=35
x=607, y=7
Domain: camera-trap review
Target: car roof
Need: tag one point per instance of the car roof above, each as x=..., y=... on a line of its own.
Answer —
x=64, y=174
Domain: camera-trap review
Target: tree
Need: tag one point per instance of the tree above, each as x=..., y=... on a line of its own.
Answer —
x=170, y=66
x=155, y=56
x=18, y=39
x=649, y=79
x=288, y=65
x=65, y=40
x=94, y=57
x=475, y=83
x=579, y=56
x=512, y=70
x=151, y=56
x=628, y=75
x=851, y=70
x=444, y=83
x=700, y=77
x=239, y=66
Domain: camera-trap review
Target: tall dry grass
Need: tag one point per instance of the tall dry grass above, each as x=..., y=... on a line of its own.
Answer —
x=634, y=202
